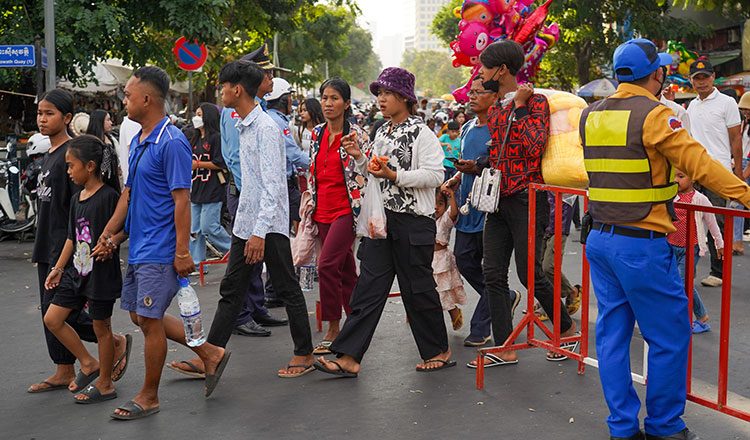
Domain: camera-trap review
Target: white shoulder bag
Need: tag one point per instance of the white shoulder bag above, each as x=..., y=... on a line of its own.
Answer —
x=485, y=192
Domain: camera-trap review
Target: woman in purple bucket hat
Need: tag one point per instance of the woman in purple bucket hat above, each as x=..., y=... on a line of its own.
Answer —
x=408, y=159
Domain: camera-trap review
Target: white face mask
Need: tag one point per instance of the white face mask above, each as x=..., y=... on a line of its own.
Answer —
x=197, y=122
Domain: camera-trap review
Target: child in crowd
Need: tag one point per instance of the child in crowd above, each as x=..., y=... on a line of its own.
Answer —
x=451, y=144
x=450, y=287
x=93, y=165
x=430, y=123
x=687, y=194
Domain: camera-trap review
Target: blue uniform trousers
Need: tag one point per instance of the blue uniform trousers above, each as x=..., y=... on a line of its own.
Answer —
x=637, y=279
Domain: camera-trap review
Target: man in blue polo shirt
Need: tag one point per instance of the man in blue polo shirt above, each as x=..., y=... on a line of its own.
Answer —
x=154, y=209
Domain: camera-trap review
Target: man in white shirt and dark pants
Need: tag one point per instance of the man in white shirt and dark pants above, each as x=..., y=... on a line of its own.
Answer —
x=715, y=123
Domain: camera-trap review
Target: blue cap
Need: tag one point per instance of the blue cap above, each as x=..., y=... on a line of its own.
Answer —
x=184, y=282
x=638, y=58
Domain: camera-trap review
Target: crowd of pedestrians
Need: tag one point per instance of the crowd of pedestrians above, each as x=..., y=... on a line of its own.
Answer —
x=233, y=181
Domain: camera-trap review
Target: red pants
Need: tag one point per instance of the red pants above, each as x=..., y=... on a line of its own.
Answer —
x=337, y=271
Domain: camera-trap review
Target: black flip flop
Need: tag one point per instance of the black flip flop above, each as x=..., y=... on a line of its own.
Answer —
x=126, y=356
x=445, y=364
x=52, y=387
x=94, y=395
x=572, y=346
x=194, y=371
x=495, y=361
x=83, y=380
x=340, y=372
x=136, y=411
x=213, y=379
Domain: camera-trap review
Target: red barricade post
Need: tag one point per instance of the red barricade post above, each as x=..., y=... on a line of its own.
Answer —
x=529, y=320
x=224, y=260
x=720, y=404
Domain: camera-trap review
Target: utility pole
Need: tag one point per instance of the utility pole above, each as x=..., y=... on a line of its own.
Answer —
x=49, y=42
x=39, y=70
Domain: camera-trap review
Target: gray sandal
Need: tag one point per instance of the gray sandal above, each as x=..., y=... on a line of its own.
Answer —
x=136, y=411
x=94, y=395
x=83, y=380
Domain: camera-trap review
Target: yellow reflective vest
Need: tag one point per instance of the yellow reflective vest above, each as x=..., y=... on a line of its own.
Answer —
x=622, y=187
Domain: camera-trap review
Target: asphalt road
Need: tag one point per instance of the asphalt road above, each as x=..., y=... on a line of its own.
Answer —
x=535, y=399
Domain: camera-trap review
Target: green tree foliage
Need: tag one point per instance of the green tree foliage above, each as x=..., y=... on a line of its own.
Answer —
x=445, y=24
x=361, y=64
x=592, y=29
x=726, y=6
x=590, y=32
x=141, y=32
x=434, y=71
x=325, y=33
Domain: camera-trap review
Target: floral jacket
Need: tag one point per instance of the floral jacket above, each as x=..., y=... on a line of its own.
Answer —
x=354, y=180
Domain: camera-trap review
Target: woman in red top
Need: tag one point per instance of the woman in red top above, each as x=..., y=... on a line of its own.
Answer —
x=336, y=187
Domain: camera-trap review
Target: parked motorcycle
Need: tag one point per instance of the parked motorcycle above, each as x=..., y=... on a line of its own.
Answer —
x=24, y=219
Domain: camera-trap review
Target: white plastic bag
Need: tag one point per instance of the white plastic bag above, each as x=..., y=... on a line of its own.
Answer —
x=371, y=221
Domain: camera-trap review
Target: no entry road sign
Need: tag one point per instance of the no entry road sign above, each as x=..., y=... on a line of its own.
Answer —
x=190, y=56
x=17, y=56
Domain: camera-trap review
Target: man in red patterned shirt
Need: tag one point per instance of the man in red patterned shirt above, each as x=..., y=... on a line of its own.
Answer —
x=518, y=156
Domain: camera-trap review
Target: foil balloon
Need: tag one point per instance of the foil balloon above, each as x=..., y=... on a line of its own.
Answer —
x=462, y=94
x=473, y=39
x=532, y=59
x=508, y=15
x=461, y=59
x=532, y=24
x=478, y=13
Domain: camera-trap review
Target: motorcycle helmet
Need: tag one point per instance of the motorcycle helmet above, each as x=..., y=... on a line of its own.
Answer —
x=442, y=118
x=38, y=144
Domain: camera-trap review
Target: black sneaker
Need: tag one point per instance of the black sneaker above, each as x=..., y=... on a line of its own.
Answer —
x=251, y=329
x=685, y=434
x=637, y=436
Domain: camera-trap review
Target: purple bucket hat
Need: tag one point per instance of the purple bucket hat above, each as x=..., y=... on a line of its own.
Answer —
x=396, y=80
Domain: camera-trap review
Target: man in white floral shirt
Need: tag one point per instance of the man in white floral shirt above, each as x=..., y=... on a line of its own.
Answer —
x=261, y=226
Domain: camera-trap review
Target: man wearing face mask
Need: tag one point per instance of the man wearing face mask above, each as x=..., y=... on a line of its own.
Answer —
x=631, y=146
x=279, y=106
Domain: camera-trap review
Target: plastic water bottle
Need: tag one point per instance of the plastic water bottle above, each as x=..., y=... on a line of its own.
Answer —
x=307, y=277
x=190, y=311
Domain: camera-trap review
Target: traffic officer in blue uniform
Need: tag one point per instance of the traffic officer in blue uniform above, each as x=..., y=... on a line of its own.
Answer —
x=631, y=145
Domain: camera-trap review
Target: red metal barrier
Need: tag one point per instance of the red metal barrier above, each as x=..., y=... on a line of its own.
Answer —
x=553, y=344
x=530, y=319
x=224, y=260
x=720, y=404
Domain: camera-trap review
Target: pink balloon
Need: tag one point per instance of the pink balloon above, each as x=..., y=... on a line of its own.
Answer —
x=473, y=39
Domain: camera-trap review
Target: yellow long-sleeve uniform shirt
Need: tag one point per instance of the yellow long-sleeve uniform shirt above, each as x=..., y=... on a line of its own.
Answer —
x=667, y=142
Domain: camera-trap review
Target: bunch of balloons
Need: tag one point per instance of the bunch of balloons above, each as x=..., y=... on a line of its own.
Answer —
x=485, y=21
x=680, y=68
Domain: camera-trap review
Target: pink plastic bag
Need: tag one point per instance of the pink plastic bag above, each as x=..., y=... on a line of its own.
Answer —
x=306, y=244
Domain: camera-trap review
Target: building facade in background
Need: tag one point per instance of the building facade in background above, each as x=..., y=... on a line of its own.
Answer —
x=425, y=11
